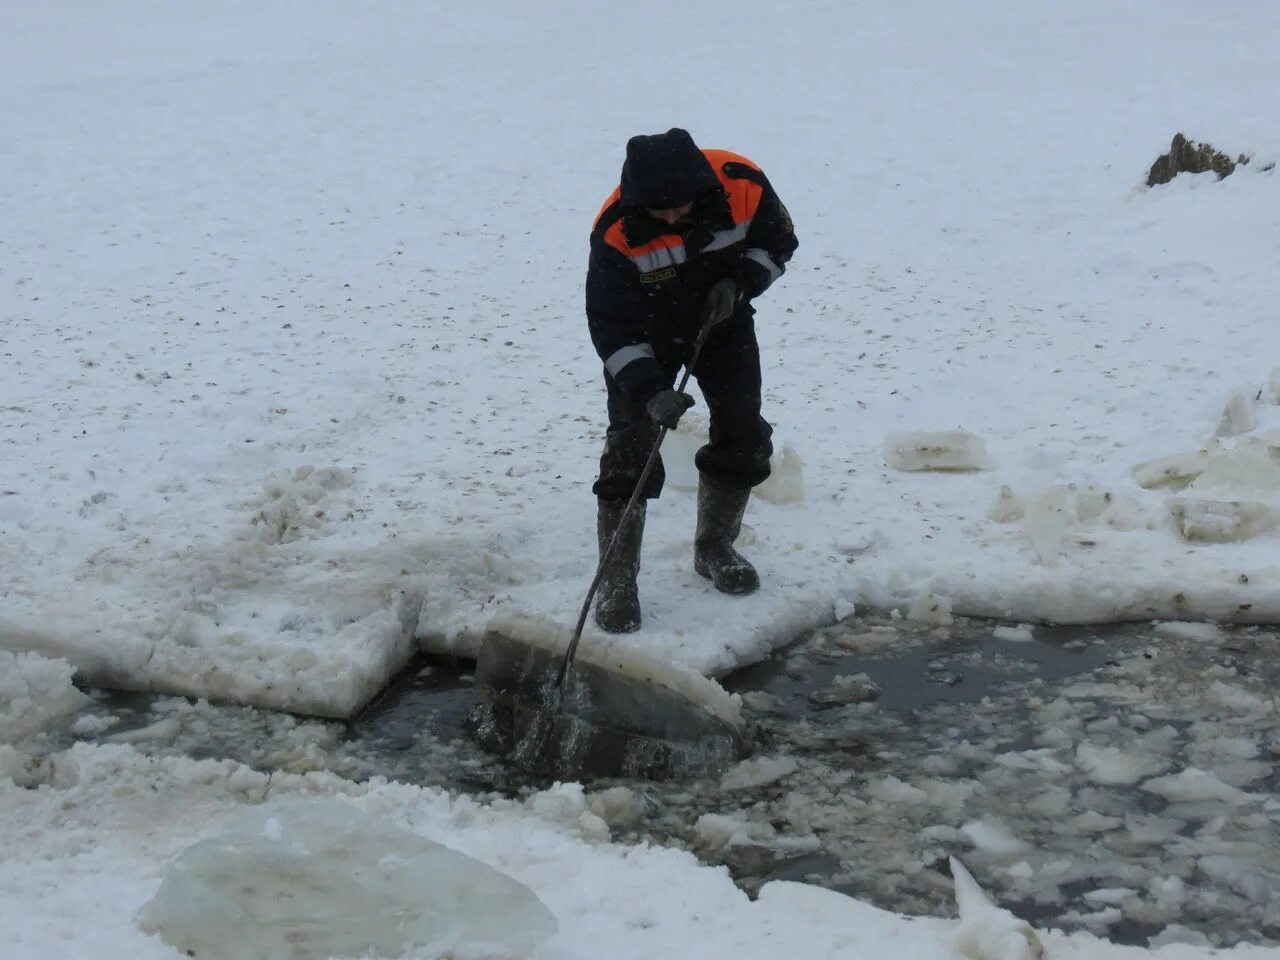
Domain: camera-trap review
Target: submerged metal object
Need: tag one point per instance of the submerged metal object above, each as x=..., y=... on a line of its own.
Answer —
x=601, y=722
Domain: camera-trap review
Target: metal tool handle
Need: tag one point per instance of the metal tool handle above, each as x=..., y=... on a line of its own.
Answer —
x=707, y=324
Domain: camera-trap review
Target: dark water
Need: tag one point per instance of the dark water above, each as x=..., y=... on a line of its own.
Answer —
x=895, y=746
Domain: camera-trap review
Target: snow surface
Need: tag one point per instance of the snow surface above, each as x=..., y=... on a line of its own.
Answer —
x=297, y=373
x=297, y=380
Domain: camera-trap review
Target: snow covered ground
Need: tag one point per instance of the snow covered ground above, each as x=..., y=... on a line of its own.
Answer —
x=296, y=376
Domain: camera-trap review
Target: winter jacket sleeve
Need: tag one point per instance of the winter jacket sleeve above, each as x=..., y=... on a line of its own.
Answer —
x=619, y=322
x=770, y=241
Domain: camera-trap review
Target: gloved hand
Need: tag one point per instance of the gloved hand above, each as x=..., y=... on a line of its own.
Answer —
x=667, y=406
x=721, y=300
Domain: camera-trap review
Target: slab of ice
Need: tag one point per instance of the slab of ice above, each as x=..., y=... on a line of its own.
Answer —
x=994, y=838
x=757, y=772
x=1177, y=935
x=786, y=478
x=1194, y=785
x=1007, y=506
x=946, y=451
x=1222, y=521
x=1181, y=630
x=618, y=656
x=1239, y=416
x=1245, y=877
x=1235, y=698
x=1116, y=767
x=985, y=931
x=896, y=792
x=1176, y=470
x=1249, y=468
x=1022, y=633
x=618, y=806
x=312, y=880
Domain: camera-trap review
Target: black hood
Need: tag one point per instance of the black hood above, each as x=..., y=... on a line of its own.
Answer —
x=664, y=170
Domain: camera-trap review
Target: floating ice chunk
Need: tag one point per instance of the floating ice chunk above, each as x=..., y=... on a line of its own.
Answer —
x=948, y=451
x=1181, y=630
x=994, y=838
x=1235, y=698
x=1222, y=521
x=1245, y=877
x=931, y=608
x=162, y=731
x=949, y=793
x=1110, y=895
x=1239, y=416
x=1021, y=871
x=757, y=772
x=562, y=803
x=1177, y=935
x=1115, y=767
x=1229, y=748
x=1194, y=785
x=1022, y=633
x=1152, y=830
x=858, y=688
x=893, y=791
x=985, y=931
x=90, y=725
x=567, y=804
x=785, y=483
x=1098, y=922
x=1052, y=802
x=1176, y=470
x=719, y=830
x=618, y=807
x=1040, y=761
x=1093, y=822
x=327, y=880
x=1006, y=507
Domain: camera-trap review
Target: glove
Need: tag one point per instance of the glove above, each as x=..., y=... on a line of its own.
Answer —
x=721, y=301
x=666, y=407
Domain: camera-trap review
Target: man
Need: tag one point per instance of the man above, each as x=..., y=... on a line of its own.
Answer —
x=688, y=234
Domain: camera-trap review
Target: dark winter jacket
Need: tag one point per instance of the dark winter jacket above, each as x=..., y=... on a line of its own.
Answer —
x=647, y=281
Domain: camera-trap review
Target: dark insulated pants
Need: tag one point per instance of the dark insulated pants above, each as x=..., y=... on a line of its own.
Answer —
x=728, y=376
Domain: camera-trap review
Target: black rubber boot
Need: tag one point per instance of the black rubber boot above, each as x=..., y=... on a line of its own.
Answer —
x=720, y=511
x=618, y=598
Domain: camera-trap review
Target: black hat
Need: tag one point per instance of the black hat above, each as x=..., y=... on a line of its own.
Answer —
x=665, y=170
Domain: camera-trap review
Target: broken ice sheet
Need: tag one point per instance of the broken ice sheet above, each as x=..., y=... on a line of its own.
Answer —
x=308, y=880
x=1177, y=470
x=1238, y=416
x=1222, y=521
x=946, y=451
x=985, y=931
